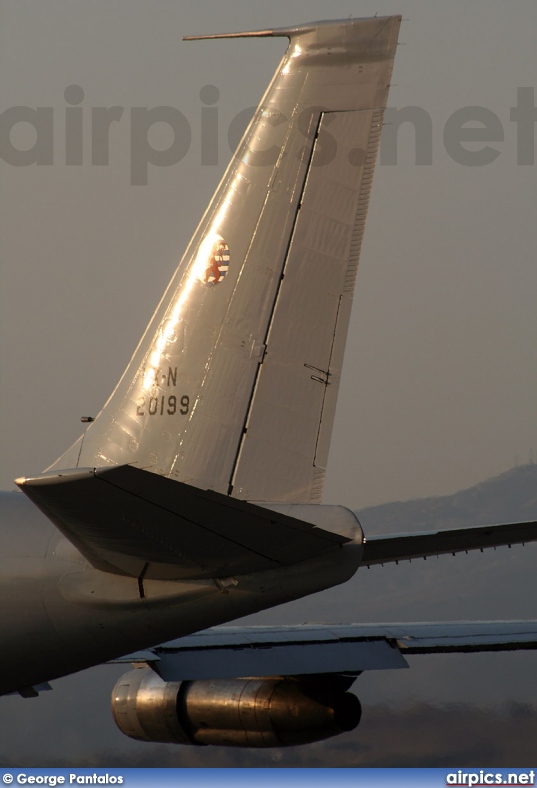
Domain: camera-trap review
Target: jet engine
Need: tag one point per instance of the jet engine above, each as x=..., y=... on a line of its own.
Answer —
x=246, y=712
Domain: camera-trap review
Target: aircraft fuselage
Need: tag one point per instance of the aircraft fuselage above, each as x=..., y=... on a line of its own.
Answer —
x=63, y=615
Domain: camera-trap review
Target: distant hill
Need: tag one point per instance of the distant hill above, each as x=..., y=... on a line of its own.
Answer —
x=509, y=497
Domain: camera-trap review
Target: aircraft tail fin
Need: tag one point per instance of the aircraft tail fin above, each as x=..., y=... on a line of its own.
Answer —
x=234, y=384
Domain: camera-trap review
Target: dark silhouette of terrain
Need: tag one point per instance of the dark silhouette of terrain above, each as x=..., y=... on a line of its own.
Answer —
x=509, y=497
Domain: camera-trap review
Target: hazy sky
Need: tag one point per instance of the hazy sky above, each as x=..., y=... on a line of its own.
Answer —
x=440, y=380
x=439, y=386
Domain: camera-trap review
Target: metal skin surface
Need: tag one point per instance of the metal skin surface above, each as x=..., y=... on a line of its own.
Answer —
x=193, y=400
x=229, y=398
x=233, y=386
x=144, y=707
x=239, y=712
x=226, y=652
x=131, y=522
x=63, y=615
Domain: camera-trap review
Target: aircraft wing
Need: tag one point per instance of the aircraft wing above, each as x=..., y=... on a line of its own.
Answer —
x=231, y=652
x=128, y=521
x=404, y=547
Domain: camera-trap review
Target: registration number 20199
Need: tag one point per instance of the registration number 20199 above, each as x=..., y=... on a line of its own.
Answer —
x=163, y=405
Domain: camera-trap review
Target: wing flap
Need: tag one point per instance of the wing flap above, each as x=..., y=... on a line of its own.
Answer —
x=404, y=547
x=231, y=652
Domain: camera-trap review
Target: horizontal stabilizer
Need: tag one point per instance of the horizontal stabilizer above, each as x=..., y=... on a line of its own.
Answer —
x=404, y=547
x=231, y=652
x=133, y=522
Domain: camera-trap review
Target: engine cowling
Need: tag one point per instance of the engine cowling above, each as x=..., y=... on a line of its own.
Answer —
x=255, y=712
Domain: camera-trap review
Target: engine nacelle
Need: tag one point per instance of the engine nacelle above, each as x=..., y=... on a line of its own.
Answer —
x=256, y=712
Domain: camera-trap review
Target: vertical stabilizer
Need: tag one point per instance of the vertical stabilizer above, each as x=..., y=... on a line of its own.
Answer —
x=234, y=385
